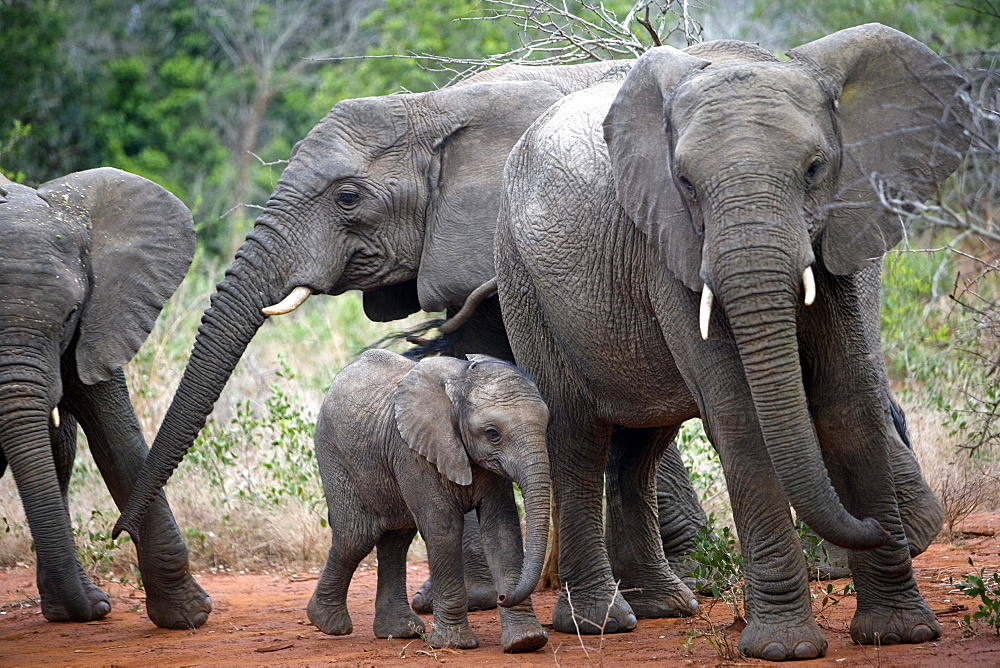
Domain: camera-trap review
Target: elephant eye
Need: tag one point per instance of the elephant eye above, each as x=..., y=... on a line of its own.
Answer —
x=347, y=198
x=493, y=434
x=686, y=186
x=814, y=171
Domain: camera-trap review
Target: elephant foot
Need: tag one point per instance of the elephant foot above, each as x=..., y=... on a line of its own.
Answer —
x=63, y=602
x=592, y=613
x=783, y=641
x=521, y=630
x=883, y=625
x=480, y=596
x=454, y=636
x=397, y=623
x=659, y=599
x=333, y=620
x=181, y=605
x=89, y=605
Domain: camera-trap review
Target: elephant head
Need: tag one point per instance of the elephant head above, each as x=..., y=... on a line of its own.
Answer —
x=745, y=172
x=498, y=422
x=86, y=263
x=396, y=196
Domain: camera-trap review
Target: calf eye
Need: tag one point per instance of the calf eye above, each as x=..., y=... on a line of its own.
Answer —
x=686, y=186
x=493, y=434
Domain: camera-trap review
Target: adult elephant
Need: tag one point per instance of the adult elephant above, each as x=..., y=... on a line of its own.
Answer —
x=396, y=196
x=725, y=176
x=86, y=263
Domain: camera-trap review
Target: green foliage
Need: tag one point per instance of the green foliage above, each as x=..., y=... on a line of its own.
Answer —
x=719, y=565
x=97, y=550
x=987, y=589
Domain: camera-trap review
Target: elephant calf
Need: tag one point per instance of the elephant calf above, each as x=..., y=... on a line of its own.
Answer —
x=404, y=446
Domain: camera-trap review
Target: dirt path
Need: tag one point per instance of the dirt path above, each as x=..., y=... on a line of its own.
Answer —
x=260, y=620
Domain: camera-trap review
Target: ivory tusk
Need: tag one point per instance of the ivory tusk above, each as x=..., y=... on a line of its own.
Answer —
x=294, y=300
x=810, y=286
x=55, y=417
x=706, y=311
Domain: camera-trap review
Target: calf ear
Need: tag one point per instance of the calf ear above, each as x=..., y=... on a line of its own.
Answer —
x=424, y=405
x=902, y=118
x=142, y=243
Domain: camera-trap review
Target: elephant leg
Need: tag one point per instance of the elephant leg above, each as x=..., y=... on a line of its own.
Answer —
x=635, y=548
x=502, y=545
x=780, y=624
x=920, y=509
x=482, y=595
x=393, y=617
x=444, y=556
x=353, y=539
x=174, y=599
x=680, y=513
x=64, y=452
x=852, y=418
x=67, y=594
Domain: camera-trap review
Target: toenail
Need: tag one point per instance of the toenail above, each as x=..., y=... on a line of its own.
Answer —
x=774, y=651
x=806, y=650
x=921, y=633
x=891, y=639
x=693, y=605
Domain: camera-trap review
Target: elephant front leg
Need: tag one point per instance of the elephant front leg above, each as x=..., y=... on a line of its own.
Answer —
x=634, y=546
x=482, y=595
x=590, y=600
x=890, y=608
x=174, y=600
x=438, y=525
x=501, y=540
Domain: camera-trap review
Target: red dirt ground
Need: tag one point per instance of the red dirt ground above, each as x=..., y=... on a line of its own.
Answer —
x=260, y=620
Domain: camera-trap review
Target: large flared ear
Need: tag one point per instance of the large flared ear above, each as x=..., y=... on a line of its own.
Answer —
x=902, y=115
x=639, y=147
x=425, y=413
x=477, y=125
x=142, y=243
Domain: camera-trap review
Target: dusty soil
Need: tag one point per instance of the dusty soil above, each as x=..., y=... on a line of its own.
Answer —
x=259, y=619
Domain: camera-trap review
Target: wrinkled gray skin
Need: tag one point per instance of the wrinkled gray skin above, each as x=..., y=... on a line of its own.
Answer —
x=404, y=446
x=735, y=171
x=396, y=196
x=86, y=263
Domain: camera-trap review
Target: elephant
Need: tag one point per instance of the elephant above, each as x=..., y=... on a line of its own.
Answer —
x=86, y=264
x=396, y=196
x=420, y=445
x=702, y=240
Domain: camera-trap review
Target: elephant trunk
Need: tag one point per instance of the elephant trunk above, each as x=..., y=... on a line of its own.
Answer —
x=252, y=282
x=533, y=479
x=761, y=305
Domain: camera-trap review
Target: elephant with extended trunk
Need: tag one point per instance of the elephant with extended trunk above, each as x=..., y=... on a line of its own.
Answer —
x=717, y=221
x=86, y=263
x=423, y=444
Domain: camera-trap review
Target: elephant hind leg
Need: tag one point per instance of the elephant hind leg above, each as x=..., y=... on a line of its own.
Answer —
x=393, y=617
x=482, y=595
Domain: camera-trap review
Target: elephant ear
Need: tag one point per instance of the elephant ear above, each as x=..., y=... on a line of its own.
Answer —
x=477, y=126
x=424, y=405
x=392, y=302
x=142, y=243
x=639, y=147
x=901, y=117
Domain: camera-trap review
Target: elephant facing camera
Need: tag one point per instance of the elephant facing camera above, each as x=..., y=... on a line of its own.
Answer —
x=406, y=446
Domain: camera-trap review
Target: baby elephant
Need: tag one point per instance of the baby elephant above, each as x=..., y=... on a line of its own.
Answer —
x=406, y=446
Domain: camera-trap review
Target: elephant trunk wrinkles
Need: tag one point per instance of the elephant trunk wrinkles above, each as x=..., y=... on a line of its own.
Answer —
x=252, y=282
x=761, y=305
x=533, y=480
